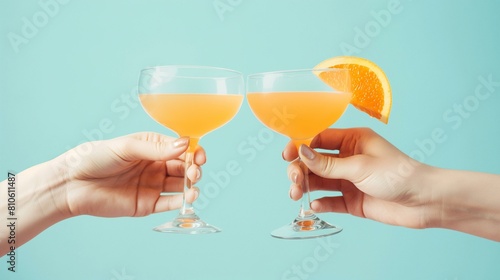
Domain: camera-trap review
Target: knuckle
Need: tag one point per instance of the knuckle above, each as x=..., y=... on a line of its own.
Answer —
x=329, y=166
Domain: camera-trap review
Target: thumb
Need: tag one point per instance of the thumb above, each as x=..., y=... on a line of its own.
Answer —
x=328, y=166
x=136, y=149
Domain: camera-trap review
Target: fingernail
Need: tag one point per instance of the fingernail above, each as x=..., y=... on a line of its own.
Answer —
x=193, y=194
x=294, y=176
x=294, y=192
x=198, y=174
x=307, y=152
x=181, y=142
x=196, y=193
x=315, y=206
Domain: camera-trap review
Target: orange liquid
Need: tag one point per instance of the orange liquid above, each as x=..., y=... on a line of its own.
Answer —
x=298, y=115
x=192, y=115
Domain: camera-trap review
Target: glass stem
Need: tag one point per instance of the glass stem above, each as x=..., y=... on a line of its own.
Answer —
x=187, y=208
x=305, y=207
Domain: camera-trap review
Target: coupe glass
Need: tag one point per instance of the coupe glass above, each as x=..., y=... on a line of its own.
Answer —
x=191, y=101
x=300, y=104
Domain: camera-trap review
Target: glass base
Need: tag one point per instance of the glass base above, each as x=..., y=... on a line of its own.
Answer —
x=187, y=224
x=306, y=227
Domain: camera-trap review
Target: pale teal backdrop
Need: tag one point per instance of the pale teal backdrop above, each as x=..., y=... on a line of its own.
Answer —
x=66, y=66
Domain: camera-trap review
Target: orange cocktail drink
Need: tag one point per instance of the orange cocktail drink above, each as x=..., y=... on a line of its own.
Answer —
x=192, y=115
x=298, y=115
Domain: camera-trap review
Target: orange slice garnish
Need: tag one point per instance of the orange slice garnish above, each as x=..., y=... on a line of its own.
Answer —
x=371, y=91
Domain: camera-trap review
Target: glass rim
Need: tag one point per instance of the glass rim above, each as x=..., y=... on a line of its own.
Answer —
x=201, y=67
x=292, y=71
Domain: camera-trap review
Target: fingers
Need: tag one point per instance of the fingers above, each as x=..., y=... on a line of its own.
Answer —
x=192, y=194
x=350, y=168
x=173, y=185
x=332, y=139
x=295, y=192
x=176, y=168
x=155, y=146
x=354, y=141
x=194, y=173
x=131, y=149
x=295, y=173
x=167, y=203
x=200, y=157
x=296, y=176
x=329, y=204
x=290, y=152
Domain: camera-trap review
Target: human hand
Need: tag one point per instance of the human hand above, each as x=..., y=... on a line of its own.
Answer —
x=125, y=176
x=377, y=181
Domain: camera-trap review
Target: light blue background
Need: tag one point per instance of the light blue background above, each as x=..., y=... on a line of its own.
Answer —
x=78, y=65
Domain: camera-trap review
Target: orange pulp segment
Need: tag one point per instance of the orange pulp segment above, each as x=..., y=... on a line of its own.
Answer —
x=371, y=91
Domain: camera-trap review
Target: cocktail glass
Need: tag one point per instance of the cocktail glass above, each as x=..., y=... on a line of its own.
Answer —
x=191, y=101
x=299, y=104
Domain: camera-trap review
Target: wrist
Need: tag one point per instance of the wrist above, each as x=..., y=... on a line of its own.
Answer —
x=433, y=195
x=43, y=193
x=55, y=184
x=422, y=196
x=465, y=201
x=40, y=203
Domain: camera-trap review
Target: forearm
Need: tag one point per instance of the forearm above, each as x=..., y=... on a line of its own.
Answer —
x=39, y=203
x=466, y=201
